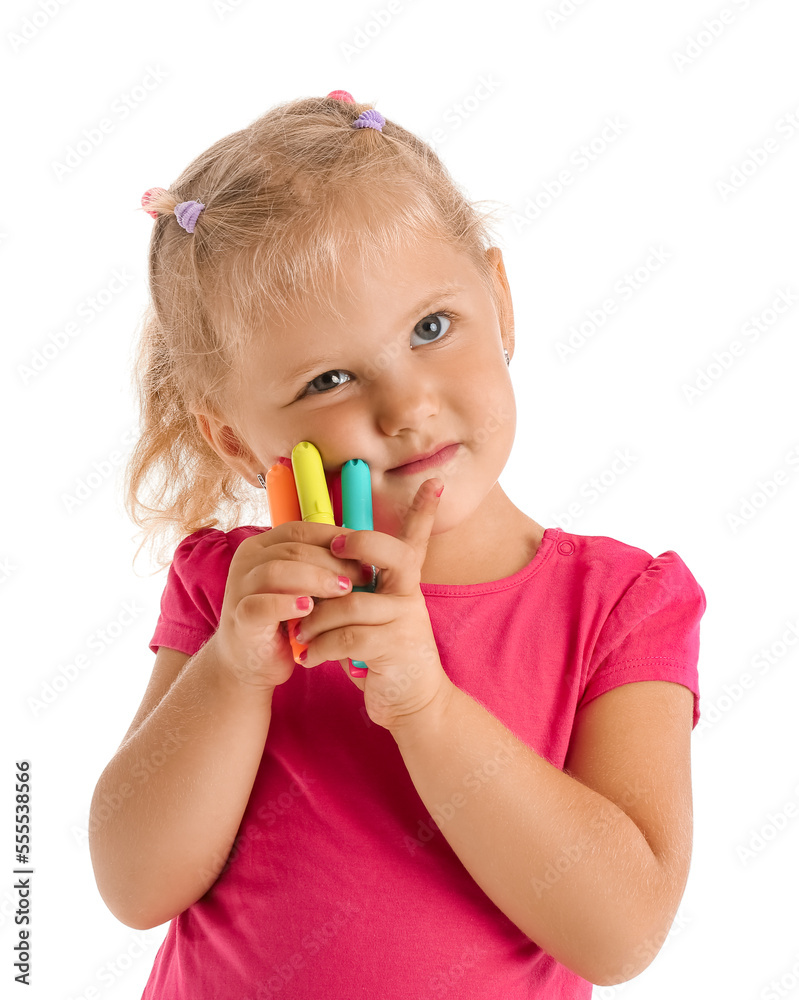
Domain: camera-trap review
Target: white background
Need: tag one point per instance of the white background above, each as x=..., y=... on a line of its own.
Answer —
x=516, y=94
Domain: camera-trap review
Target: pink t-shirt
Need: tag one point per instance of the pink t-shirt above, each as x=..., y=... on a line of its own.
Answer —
x=339, y=883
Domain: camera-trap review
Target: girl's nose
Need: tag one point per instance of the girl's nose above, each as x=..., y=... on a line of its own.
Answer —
x=404, y=404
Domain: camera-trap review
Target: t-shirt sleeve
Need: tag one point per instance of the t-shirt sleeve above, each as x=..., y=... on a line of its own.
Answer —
x=195, y=589
x=652, y=633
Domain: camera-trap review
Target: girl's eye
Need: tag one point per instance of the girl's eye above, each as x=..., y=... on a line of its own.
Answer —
x=328, y=380
x=430, y=328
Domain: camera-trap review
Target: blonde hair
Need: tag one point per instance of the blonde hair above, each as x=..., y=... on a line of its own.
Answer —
x=284, y=199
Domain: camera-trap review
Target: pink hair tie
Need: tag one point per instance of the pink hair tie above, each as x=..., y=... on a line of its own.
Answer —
x=366, y=119
x=187, y=212
x=147, y=196
x=370, y=119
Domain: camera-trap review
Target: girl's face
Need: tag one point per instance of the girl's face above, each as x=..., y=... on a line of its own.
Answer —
x=417, y=367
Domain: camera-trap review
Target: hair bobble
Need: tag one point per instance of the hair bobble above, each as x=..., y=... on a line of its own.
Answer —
x=187, y=212
x=370, y=119
x=366, y=119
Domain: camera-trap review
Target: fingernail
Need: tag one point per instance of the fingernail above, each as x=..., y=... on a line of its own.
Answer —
x=357, y=671
x=439, y=492
x=344, y=582
x=303, y=603
x=338, y=543
x=303, y=656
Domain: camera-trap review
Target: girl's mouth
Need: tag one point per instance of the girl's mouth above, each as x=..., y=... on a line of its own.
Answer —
x=439, y=457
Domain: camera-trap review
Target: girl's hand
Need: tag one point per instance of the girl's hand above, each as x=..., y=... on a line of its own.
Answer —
x=268, y=573
x=389, y=629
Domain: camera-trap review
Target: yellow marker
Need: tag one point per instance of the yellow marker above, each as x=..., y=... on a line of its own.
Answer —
x=309, y=475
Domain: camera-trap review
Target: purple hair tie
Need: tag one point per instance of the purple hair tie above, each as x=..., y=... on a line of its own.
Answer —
x=370, y=119
x=187, y=213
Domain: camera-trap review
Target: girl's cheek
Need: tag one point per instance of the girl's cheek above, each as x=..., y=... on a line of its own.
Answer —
x=386, y=517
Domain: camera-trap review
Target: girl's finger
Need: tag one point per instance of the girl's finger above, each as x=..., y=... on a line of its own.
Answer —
x=418, y=523
x=256, y=610
x=331, y=616
x=399, y=574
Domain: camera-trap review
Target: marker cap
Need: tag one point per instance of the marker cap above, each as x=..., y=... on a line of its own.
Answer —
x=281, y=495
x=309, y=475
x=356, y=496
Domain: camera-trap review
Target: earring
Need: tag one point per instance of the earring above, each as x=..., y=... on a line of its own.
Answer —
x=507, y=357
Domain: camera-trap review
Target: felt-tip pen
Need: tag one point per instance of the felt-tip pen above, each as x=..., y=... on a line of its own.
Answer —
x=309, y=475
x=356, y=513
x=284, y=505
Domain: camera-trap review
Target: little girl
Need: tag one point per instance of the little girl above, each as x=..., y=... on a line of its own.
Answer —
x=500, y=805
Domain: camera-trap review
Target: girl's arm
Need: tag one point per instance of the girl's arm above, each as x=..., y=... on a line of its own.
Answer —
x=590, y=862
x=167, y=807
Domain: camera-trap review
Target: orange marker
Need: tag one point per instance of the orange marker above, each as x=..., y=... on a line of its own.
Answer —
x=284, y=505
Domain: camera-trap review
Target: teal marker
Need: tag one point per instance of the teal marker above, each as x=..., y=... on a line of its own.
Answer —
x=356, y=512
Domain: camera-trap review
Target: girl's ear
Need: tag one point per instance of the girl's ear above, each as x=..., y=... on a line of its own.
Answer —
x=229, y=446
x=504, y=300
